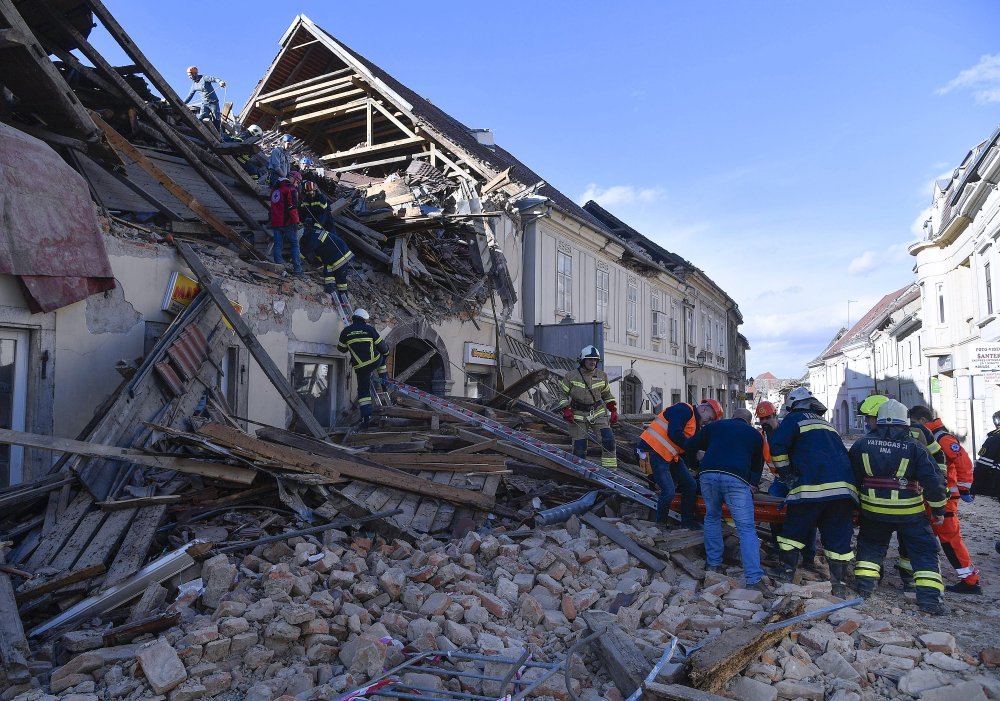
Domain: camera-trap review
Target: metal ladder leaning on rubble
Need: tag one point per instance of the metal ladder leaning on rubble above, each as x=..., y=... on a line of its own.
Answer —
x=610, y=479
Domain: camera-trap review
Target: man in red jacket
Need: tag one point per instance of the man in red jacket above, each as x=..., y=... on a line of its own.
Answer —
x=949, y=532
x=285, y=222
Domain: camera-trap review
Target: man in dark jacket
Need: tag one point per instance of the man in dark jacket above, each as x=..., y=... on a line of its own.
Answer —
x=729, y=473
x=986, y=478
x=368, y=353
x=896, y=477
x=811, y=459
x=321, y=242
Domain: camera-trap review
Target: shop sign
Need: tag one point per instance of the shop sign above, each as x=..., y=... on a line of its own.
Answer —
x=478, y=354
x=985, y=359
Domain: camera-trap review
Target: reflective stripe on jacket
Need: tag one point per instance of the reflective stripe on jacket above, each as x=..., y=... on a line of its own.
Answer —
x=811, y=459
x=587, y=393
x=891, y=469
x=958, y=461
x=364, y=344
x=671, y=428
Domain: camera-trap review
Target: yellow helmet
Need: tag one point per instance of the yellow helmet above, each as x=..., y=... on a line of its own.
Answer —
x=871, y=405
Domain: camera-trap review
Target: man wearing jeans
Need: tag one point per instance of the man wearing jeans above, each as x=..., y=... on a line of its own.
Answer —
x=730, y=472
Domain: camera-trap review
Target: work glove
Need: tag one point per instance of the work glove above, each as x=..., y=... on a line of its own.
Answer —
x=222, y=83
x=966, y=495
x=384, y=379
x=613, y=408
x=937, y=517
x=567, y=413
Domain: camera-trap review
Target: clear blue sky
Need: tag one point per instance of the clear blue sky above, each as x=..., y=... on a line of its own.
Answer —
x=787, y=148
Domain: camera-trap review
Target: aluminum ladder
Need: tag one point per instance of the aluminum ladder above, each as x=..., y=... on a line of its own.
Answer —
x=610, y=479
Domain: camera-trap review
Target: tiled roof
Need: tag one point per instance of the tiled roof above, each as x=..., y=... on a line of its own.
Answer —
x=875, y=316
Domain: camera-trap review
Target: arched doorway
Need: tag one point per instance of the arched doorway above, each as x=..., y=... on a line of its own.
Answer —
x=431, y=376
x=631, y=395
x=409, y=344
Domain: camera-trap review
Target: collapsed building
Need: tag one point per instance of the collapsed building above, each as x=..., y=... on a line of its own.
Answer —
x=171, y=399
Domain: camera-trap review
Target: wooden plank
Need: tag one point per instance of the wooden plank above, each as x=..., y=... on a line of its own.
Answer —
x=132, y=554
x=14, y=650
x=491, y=444
x=311, y=445
x=105, y=543
x=58, y=582
x=424, y=515
x=408, y=506
x=616, y=536
x=510, y=393
x=63, y=527
x=139, y=501
x=359, y=228
x=445, y=513
x=380, y=497
x=412, y=369
x=258, y=352
x=721, y=659
x=328, y=113
x=376, y=148
x=355, y=468
x=620, y=656
x=519, y=453
x=120, y=635
x=303, y=86
x=400, y=459
x=450, y=467
x=77, y=542
x=34, y=492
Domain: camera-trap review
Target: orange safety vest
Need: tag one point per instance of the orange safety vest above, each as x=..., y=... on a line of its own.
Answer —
x=767, y=453
x=656, y=436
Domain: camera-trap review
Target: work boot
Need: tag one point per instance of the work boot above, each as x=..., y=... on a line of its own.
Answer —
x=761, y=586
x=907, y=577
x=997, y=546
x=865, y=586
x=963, y=587
x=788, y=562
x=839, y=570
x=934, y=606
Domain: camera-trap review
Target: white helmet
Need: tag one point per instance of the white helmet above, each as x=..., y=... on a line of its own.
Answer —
x=798, y=395
x=361, y=314
x=894, y=413
x=589, y=352
x=255, y=130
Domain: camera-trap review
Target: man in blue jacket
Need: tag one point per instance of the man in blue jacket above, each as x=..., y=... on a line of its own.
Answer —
x=810, y=457
x=730, y=472
x=204, y=84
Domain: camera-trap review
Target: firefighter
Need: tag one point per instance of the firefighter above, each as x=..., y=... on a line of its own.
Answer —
x=811, y=459
x=587, y=403
x=959, y=478
x=987, y=471
x=768, y=417
x=897, y=478
x=661, y=447
x=368, y=353
x=869, y=409
x=321, y=242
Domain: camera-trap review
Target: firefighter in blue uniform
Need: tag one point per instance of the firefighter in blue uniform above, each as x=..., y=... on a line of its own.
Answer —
x=809, y=456
x=896, y=476
x=321, y=243
x=368, y=353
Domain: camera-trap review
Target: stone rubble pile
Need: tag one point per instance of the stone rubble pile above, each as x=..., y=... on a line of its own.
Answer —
x=310, y=619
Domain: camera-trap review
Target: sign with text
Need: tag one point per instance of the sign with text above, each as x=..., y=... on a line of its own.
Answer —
x=985, y=359
x=478, y=354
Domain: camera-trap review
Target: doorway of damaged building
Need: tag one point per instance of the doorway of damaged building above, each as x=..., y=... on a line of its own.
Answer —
x=431, y=375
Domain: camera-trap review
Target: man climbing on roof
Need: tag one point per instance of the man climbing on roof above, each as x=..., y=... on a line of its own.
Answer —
x=368, y=353
x=205, y=85
x=285, y=222
x=588, y=403
x=320, y=241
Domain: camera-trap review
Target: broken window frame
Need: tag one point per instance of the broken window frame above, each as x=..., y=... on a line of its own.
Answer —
x=332, y=391
x=18, y=402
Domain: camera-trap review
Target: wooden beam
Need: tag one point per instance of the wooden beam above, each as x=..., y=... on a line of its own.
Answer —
x=316, y=100
x=369, y=164
x=227, y=473
x=139, y=501
x=399, y=143
x=491, y=444
x=359, y=228
x=728, y=655
x=510, y=393
x=416, y=366
x=264, y=360
x=328, y=113
x=392, y=118
x=14, y=649
x=616, y=536
x=417, y=459
x=304, y=86
x=169, y=133
x=58, y=582
x=679, y=692
x=124, y=146
x=355, y=467
x=621, y=657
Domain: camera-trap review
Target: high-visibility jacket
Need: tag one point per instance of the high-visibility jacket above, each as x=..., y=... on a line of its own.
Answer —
x=314, y=209
x=587, y=392
x=895, y=476
x=671, y=428
x=811, y=459
x=364, y=344
x=768, y=460
x=958, y=461
x=329, y=249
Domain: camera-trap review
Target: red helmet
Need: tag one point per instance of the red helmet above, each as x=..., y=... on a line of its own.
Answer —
x=309, y=186
x=295, y=176
x=716, y=407
x=765, y=409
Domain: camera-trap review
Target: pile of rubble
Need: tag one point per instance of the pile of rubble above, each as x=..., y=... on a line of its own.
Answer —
x=318, y=617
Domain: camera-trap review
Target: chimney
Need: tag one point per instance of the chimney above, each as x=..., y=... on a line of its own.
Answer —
x=484, y=136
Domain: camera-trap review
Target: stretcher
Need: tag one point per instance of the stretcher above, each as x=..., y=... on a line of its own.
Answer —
x=766, y=508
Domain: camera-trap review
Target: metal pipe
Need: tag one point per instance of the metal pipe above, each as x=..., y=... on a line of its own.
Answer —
x=813, y=614
x=558, y=514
